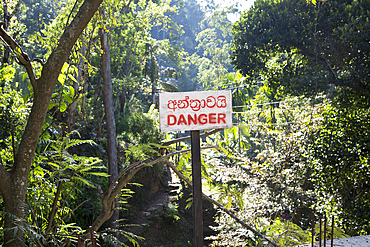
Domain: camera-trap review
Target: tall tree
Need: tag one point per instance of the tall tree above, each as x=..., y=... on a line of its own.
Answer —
x=13, y=183
x=109, y=115
x=327, y=43
x=214, y=49
x=307, y=47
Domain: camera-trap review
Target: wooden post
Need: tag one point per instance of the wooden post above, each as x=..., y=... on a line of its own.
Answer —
x=197, y=188
x=211, y=110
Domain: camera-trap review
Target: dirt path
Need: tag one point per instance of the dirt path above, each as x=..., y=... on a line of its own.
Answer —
x=159, y=200
x=146, y=223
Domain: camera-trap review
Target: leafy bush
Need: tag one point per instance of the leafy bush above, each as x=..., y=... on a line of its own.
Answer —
x=342, y=150
x=263, y=170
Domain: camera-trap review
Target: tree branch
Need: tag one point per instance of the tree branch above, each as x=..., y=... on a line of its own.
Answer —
x=54, y=209
x=13, y=142
x=16, y=9
x=70, y=13
x=22, y=57
x=183, y=139
x=116, y=190
x=121, y=181
x=44, y=86
x=13, y=186
x=71, y=212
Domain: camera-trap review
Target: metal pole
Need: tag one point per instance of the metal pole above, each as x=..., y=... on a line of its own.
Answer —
x=325, y=231
x=79, y=240
x=197, y=188
x=332, y=231
x=239, y=133
x=320, y=232
x=92, y=236
x=313, y=229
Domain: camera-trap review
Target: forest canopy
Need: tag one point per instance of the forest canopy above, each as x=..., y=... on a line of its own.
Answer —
x=303, y=48
x=316, y=46
x=82, y=156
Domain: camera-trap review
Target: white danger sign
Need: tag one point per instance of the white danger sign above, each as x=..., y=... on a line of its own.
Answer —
x=195, y=110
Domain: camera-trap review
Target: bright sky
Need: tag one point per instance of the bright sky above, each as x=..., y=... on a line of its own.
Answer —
x=241, y=4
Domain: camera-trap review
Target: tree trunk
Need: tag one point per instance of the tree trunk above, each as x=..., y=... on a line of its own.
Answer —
x=13, y=185
x=109, y=116
x=5, y=26
x=13, y=217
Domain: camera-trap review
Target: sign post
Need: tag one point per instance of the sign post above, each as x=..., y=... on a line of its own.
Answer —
x=195, y=111
x=197, y=188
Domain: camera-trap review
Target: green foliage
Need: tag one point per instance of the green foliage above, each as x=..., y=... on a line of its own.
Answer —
x=320, y=36
x=232, y=235
x=342, y=149
x=71, y=168
x=284, y=164
x=264, y=165
x=214, y=49
x=299, y=48
x=286, y=233
x=189, y=17
x=112, y=238
x=77, y=104
x=13, y=114
x=262, y=169
x=169, y=213
x=56, y=168
x=135, y=126
x=53, y=169
x=206, y=40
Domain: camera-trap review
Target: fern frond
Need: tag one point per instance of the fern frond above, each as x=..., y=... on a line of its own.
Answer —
x=76, y=142
x=99, y=174
x=81, y=180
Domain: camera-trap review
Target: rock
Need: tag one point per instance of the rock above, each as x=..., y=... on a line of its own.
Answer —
x=151, y=209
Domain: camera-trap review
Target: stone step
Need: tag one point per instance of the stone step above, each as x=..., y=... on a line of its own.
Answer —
x=174, y=186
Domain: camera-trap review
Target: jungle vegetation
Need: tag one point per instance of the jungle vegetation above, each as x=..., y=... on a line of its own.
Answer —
x=79, y=84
